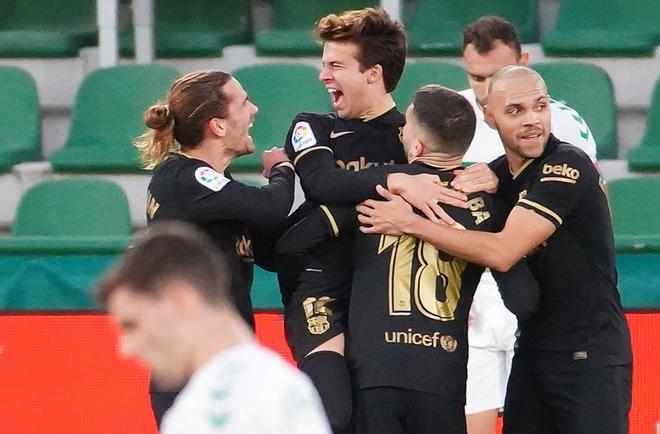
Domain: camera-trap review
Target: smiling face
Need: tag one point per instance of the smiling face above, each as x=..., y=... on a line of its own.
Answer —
x=346, y=80
x=239, y=118
x=519, y=108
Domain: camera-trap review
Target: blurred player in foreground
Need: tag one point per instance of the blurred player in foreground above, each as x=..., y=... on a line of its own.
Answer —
x=170, y=295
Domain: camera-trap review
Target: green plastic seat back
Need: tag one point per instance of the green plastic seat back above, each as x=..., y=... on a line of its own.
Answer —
x=635, y=204
x=610, y=15
x=302, y=14
x=20, y=129
x=111, y=102
x=652, y=132
x=73, y=207
x=280, y=91
x=419, y=73
x=595, y=102
x=436, y=27
x=71, y=16
x=195, y=28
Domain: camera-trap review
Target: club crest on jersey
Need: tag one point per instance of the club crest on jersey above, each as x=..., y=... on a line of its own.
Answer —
x=317, y=314
x=302, y=137
x=210, y=179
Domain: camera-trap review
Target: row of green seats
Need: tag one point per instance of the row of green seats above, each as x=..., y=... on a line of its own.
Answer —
x=107, y=112
x=204, y=27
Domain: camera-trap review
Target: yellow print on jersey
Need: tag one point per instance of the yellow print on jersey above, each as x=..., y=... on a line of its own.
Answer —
x=410, y=337
x=475, y=205
x=359, y=164
x=152, y=206
x=317, y=314
x=564, y=173
x=243, y=248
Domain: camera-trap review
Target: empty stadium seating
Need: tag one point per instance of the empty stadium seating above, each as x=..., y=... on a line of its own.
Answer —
x=436, y=27
x=20, y=129
x=420, y=72
x=291, y=33
x=588, y=89
x=272, y=87
x=604, y=28
x=646, y=156
x=107, y=117
x=65, y=235
x=41, y=28
x=196, y=28
x=636, y=214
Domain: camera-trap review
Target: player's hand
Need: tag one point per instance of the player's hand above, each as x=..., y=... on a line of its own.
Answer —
x=477, y=177
x=270, y=158
x=424, y=192
x=389, y=216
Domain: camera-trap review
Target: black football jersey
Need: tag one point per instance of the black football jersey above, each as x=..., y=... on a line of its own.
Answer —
x=410, y=304
x=579, y=322
x=189, y=190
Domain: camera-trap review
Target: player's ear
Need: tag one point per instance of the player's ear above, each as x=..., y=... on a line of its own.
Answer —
x=524, y=59
x=374, y=74
x=182, y=297
x=218, y=127
x=418, y=149
x=488, y=117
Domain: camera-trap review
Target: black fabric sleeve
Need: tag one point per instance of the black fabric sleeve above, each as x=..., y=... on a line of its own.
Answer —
x=322, y=181
x=519, y=289
x=217, y=197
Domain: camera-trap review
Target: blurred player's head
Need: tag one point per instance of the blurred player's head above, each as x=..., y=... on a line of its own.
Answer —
x=519, y=108
x=203, y=108
x=489, y=44
x=439, y=122
x=364, y=54
x=166, y=292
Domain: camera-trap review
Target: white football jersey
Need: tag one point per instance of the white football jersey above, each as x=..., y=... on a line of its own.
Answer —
x=247, y=389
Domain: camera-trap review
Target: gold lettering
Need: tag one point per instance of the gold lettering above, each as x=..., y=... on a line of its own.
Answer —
x=426, y=340
x=152, y=206
x=480, y=216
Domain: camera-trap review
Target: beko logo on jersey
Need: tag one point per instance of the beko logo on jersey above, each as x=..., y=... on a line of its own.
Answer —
x=564, y=172
x=302, y=136
x=359, y=164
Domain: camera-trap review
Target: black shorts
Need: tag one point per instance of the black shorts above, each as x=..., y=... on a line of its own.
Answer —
x=315, y=311
x=392, y=410
x=582, y=401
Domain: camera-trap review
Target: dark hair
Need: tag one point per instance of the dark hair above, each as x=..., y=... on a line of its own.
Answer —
x=170, y=251
x=446, y=116
x=486, y=30
x=192, y=101
x=380, y=40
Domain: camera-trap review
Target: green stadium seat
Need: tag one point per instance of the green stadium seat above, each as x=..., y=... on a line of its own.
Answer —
x=435, y=28
x=280, y=91
x=20, y=129
x=265, y=290
x=195, y=28
x=417, y=73
x=635, y=207
x=595, y=102
x=639, y=280
x=291, y=33
x=41, y=28
x=66, y=234
x=107, y=117
x=604, y=28
x=646, y=156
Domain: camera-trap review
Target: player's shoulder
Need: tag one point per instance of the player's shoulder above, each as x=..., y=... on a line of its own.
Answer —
x=566, y=160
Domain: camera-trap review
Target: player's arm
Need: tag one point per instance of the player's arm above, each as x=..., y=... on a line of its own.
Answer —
x=549, y=200
x=519, y=289
x=209, y=196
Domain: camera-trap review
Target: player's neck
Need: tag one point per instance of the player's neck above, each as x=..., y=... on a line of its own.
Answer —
x=515, y=160
x=380, y=105
x=437, y=159
x=231, y=331
x=215, y=156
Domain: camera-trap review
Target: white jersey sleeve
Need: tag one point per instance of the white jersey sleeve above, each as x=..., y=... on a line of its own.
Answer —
x=247, y=389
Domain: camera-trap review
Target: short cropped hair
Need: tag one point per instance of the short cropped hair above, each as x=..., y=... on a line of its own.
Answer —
x=380, y=40
x=447, y=116
x=486, y=30
x=170, y=251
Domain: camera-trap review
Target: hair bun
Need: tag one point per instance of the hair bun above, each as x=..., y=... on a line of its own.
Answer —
x=158, y=116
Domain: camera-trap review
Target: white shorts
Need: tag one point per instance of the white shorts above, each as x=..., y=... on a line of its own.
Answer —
x=491, y=336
